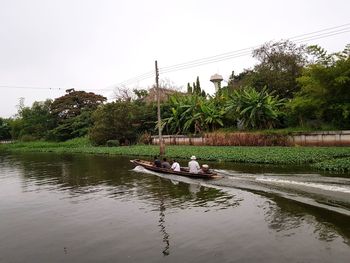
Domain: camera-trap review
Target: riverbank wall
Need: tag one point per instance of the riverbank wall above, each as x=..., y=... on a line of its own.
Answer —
x=6, y=141
x=324, y=138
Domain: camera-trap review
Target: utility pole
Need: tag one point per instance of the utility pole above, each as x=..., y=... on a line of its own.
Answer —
x=161, y=144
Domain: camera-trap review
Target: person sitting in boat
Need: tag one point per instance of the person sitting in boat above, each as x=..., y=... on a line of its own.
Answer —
x=175, y=166
x=193, y=165
x=157, y=162
x=166, y=164
x=204, y=169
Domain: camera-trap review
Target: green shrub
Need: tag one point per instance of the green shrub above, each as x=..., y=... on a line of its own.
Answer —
x=28, y=138
x=77, y=142
x=144, y=138
x=255, y=109
x=112, y=143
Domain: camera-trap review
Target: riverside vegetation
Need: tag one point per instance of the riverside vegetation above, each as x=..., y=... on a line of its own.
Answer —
x=322, y=158
x=291, y=88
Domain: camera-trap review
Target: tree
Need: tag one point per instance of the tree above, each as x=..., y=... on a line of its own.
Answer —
x=280, y=64
x=5, y=129
x=72, y=113
x=77, y=126
x=33, y=121
x=189, y=88
x=72, y=104
x=140, y=94
x=124, y=94
x=196, y=88
x=238, y=81
x=325, y=91
x=121, y=120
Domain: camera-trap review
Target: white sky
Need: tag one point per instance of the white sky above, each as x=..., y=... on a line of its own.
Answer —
x=96, y=44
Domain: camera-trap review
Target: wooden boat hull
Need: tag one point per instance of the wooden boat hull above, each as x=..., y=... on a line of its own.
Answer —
x=184, y=172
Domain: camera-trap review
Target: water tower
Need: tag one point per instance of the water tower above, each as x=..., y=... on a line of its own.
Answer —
x=216, y=79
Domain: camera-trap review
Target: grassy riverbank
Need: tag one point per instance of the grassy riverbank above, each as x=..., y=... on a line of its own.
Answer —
x=323, y=158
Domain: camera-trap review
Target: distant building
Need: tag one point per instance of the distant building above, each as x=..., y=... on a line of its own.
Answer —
x=164, y=94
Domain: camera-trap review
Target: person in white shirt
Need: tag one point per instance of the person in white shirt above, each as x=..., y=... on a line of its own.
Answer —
x=193, y=165
x=175, y=166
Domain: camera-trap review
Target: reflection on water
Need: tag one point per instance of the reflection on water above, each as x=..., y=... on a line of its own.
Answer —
x=166, y=237
x=81, y=177
x=286, y=217
x=77, y=208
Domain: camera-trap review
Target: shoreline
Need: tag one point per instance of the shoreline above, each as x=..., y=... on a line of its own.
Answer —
x=320, y=158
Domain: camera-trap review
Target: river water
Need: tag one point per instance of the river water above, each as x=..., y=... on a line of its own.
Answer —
x=84, y=208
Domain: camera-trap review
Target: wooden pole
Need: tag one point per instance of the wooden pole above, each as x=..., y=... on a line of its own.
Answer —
x=161, y=144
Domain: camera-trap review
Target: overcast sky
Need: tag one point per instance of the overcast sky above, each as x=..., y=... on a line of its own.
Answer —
x=97, y=44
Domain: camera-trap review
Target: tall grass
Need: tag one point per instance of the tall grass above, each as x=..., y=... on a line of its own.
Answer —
x=245, y=139
x=74, y=143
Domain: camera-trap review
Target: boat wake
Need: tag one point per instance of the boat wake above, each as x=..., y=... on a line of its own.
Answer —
x=326, y=187
x=302, y=181
x=331, y=193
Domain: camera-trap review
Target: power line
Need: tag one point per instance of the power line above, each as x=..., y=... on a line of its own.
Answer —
x=29, y=87
x=209, y=61
x=234, y=54
x=47, y=88
x=324, y=35
x=213, y=60
x=140, y=77
x=239, y=53
x=327, y=32
x=326, y=29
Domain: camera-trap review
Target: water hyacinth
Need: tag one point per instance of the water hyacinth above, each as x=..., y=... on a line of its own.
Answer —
x=339, y=165
x=326, y=158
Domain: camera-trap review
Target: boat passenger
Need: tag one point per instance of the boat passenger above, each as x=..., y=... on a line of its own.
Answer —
x=175, y=166
x=193, y=165
x=157, y=162
x=204, y=169
x=166, y=164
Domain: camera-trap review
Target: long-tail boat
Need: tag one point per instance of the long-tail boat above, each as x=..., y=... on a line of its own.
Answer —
x=183, y=172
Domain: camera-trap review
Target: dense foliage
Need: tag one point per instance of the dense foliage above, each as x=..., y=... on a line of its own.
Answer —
x=254, y=109
x=74, y=102
x=5, y=129
x=72, y=113
x=192, y=114
x=290, y=86
x=64, y=118
x=325, y=91
x=123, y=121
x=33, y=122
x=247, y=107
x=280, y=64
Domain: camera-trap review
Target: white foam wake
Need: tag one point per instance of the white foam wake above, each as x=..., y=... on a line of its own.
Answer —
x=328, y=187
